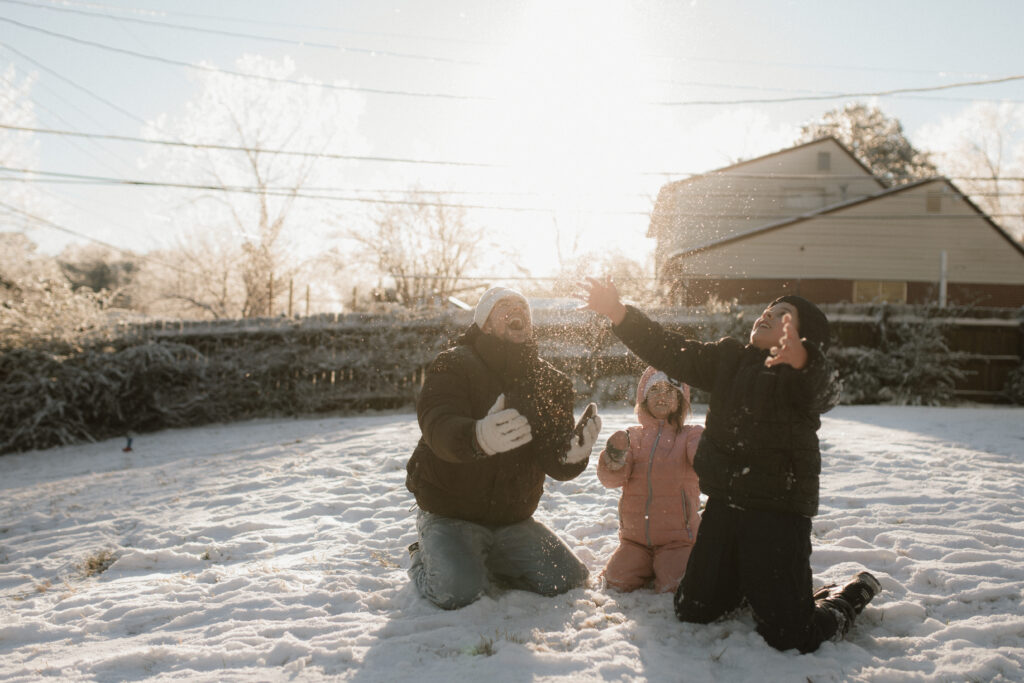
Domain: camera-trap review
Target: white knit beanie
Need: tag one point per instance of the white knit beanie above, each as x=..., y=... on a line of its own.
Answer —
x=652, y=376
x=491, y=297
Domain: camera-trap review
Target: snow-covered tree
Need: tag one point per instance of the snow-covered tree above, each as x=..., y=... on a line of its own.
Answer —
x=201, y=276
x=874, y=138
x=982, y=150
x=18, y=149
x=262, y=217
x=38, y=306
x=424, y=244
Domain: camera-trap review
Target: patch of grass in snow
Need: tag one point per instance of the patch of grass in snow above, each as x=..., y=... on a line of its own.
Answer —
x=486, y=645
x=97, y=563
x=384, y=560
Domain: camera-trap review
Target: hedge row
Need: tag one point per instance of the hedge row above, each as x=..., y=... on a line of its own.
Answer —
x=139, y=385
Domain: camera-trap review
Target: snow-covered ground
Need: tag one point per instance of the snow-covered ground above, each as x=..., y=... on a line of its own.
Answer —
x=276, y=550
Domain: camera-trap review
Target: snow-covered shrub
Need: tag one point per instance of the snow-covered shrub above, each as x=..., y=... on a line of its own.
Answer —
x=38, y=306
x=861, y=371
x=134, y=385
x=48, y=400
x=1015, y=385
x=913, y=365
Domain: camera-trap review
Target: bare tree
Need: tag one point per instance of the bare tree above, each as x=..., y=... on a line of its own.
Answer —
x=423, y=243
x=982, y=149
x=254, y=196
x=202, y=277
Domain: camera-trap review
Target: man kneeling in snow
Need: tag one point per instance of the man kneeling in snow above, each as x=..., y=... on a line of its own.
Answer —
x=495, y=419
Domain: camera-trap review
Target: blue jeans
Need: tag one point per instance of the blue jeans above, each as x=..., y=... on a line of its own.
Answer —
x=458, y=560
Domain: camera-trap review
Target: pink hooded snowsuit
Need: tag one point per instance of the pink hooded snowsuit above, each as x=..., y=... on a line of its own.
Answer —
x=659, y=507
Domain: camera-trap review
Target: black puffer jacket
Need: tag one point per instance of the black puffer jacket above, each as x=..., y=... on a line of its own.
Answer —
x=461, y=385
x=760, y=449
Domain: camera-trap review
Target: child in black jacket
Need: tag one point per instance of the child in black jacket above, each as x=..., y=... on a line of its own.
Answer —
x=758, y=463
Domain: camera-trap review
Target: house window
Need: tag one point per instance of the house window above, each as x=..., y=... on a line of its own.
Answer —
x=933, y=202
x=824, y=161
x=878, y=291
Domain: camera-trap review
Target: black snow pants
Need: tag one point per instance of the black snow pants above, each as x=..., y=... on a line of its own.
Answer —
x=765, y=558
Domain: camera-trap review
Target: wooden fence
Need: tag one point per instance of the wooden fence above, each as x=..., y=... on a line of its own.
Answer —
x=377, y=361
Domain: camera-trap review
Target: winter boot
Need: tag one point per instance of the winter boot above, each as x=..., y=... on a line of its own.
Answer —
x=859, y=592
x=849, y=601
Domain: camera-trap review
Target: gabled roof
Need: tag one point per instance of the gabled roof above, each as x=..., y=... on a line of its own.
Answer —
x=782, y=152
x=769, y=227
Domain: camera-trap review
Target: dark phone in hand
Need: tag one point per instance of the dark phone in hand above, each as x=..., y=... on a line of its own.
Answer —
x=587, y=416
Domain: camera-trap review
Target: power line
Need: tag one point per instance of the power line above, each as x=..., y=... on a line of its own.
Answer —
x=824, y=95
x=88, y=92
x=290, y=193
x=235, y=34
x=476, y=164
x=446, y=39
x=240, y=74
x=480, y=98
x=234, y=148
x=758, y=194
x=877, y=93
x=279, y=24
x=56, y=226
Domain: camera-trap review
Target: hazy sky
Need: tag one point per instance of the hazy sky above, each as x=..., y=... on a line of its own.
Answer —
x=575, y=112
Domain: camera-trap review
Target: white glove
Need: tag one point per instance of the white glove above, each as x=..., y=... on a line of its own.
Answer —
x=581, y=451
x=503, y=429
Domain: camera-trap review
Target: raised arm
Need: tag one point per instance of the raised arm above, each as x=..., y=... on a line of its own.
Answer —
x=602, y=297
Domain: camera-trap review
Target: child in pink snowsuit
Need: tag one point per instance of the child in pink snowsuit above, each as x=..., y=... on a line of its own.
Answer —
x=658, y=509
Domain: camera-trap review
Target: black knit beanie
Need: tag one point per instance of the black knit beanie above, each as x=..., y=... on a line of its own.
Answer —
x=812, y=323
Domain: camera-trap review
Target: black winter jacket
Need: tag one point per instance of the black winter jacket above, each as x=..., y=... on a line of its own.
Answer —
x=760, y=448
x=446, y=475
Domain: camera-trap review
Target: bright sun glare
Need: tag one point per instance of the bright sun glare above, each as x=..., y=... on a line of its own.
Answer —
x=570, y=87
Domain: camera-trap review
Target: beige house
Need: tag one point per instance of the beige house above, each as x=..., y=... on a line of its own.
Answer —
x=813, y=220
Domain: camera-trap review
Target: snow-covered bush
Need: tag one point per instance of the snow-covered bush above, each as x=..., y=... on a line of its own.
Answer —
x=913, y=365
x=38, y=307
x=252, y=369
x=1015, y=385
x=119, y=389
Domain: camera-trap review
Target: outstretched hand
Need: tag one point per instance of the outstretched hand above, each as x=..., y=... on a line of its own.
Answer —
x=790, y=350
x=603, y=298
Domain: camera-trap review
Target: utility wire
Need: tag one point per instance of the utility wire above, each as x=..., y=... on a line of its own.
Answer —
x=403, y=160
x=56, y=226
x=273, y=192
x=480, y=98
x=94, y=180
x=67, y=4
x=233, y=148
x=88, y=92
x=240, y=74
x=278, y=24
x=248, y=36
x=290, y=193
x=876, y=93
